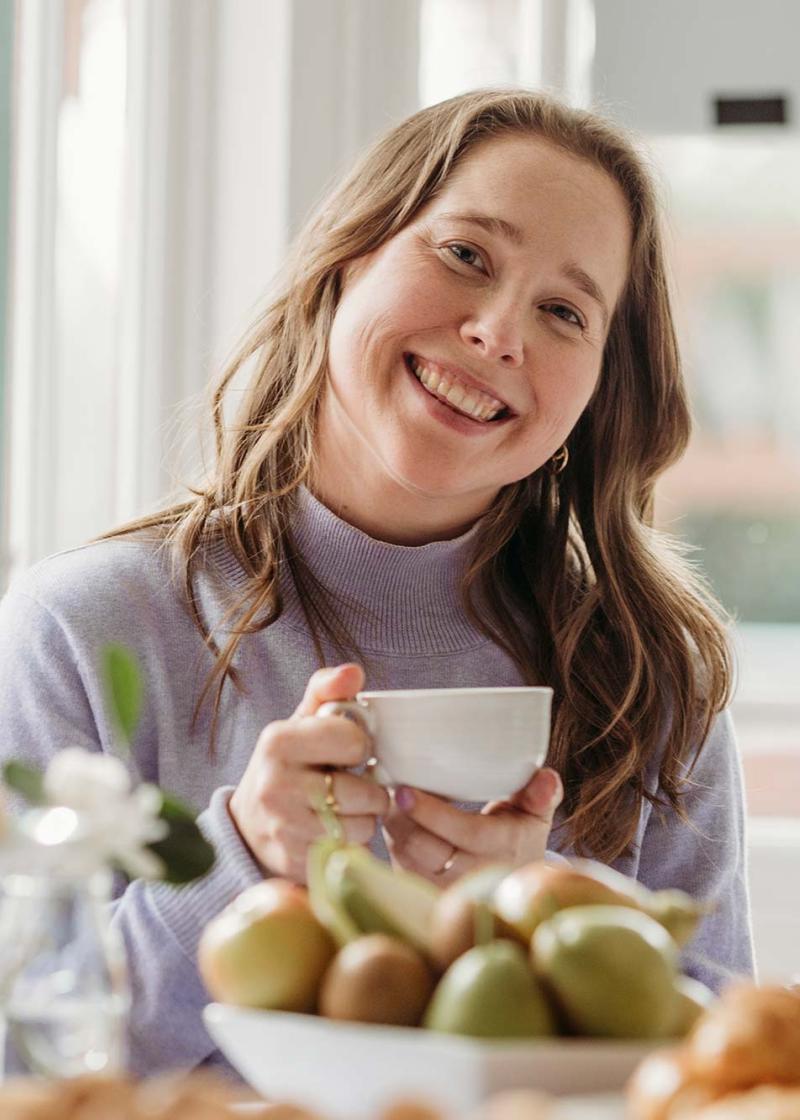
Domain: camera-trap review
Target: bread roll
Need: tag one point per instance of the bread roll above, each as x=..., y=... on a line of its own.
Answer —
x=767, y=1102
x=664, y=1087
x=749, y=1037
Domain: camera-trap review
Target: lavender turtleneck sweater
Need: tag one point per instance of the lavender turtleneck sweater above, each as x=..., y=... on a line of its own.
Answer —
x=402, y=607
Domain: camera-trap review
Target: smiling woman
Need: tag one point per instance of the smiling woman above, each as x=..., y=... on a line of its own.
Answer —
x=441, y=474
x=499, y=320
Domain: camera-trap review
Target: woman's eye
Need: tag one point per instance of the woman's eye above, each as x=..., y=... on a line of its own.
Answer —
x=561, y=311
x=466, y=255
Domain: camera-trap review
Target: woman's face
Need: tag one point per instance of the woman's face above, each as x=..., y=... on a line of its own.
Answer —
x=497, y=297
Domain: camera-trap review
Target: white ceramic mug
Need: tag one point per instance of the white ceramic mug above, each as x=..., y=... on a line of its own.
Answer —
x=468, y=744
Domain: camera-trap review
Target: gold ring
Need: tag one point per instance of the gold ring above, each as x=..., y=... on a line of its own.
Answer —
x=330, y=796
x=448, y=863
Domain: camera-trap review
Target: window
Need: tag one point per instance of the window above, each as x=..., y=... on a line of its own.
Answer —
x=734, y=206
x=88, y=241
x=69, y=164
x=469, y=43
x=108, y=298
x=734, y=245
x=465, y=44
x=6, y=50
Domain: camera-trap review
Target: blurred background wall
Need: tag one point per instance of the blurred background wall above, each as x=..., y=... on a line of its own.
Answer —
x=156, y=157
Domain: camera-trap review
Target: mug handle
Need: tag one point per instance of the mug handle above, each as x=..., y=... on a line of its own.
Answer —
x=362, y=715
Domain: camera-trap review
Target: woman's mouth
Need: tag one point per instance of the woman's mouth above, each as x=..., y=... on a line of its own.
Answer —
x=462, y=398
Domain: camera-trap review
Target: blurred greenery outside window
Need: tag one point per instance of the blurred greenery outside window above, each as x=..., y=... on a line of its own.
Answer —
x=734, y=206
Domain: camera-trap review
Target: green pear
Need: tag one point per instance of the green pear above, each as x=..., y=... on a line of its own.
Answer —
x=536, y=891
x=611, y=970
x=377, y=899
x=490, y=992
x=456, y=916
x=693, y=998
x=326, y=906
x=676, y=910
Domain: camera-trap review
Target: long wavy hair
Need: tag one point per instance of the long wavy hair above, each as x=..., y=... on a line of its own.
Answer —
x=569, y=575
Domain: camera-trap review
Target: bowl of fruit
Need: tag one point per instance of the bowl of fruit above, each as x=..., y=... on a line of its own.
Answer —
x=371, y=983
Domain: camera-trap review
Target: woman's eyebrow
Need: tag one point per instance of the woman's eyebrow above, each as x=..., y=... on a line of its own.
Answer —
x=581, y=279
x=486, y=221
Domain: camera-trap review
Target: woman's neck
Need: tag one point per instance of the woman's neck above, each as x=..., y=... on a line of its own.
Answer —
x=388, y=511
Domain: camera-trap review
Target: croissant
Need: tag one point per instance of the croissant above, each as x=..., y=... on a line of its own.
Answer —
x=751, y=1036
x=665, y=1087
x=767, y=1102
x=189, y=1097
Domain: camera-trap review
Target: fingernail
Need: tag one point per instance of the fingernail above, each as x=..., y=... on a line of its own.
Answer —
x=404, y=798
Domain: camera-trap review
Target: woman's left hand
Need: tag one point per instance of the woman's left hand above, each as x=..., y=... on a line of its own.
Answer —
x=430, y=836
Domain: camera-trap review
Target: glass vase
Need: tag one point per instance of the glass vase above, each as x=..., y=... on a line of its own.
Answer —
x=63, y=982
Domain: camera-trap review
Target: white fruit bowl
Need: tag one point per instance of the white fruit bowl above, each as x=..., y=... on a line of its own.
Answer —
x=351, y=1071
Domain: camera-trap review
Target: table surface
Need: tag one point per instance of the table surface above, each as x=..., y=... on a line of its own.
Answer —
x=606, y=1107
x=603, y=1107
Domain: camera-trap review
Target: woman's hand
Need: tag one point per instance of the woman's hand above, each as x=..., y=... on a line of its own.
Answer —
x=432, y=837
x=273, y=805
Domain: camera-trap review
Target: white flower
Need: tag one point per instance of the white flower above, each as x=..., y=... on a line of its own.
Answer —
x=85, y=780
x=117, y=823
x=123, y=831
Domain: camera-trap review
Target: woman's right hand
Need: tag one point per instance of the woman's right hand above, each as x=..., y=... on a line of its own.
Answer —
x=273, y=805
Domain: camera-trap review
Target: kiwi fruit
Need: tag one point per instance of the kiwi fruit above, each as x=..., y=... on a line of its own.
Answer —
x=376, y=979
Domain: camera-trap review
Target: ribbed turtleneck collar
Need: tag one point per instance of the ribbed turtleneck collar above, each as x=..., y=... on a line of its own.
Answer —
x=391, y=598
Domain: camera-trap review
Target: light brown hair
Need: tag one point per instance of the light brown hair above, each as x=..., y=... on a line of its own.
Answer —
x=570, y=576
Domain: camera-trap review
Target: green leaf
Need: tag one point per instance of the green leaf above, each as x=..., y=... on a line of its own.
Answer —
x=173, y=809
x=26, y=780
x=124, y=687
x=184, y=851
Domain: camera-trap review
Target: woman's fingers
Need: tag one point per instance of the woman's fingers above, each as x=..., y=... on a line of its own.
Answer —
x=539, y=798
x=342, y=682
x=470, y=832
x=353, y=796
x=273, y=806
x=308, y=740
x=314, y=741
x=300, y=831
x=513, y=831
x=415, y=849
x=356, y=830
x=276, y=805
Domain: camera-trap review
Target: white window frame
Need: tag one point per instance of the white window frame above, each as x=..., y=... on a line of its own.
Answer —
x=164, y=281
x=30, y=350
x=239, y=115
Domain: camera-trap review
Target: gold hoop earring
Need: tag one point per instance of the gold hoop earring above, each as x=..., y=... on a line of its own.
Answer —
x=558, y=462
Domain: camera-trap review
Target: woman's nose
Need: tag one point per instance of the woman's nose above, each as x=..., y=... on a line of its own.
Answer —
x=496, y=334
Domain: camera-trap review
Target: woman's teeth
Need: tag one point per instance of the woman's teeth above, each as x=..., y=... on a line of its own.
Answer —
x=460, y=397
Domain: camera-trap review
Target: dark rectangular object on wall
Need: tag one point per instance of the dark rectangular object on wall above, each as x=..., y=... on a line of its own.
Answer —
x=751, y=110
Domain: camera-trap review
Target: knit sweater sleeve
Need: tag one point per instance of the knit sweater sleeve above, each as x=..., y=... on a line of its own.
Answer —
x=48, y=701
x=705, y=855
